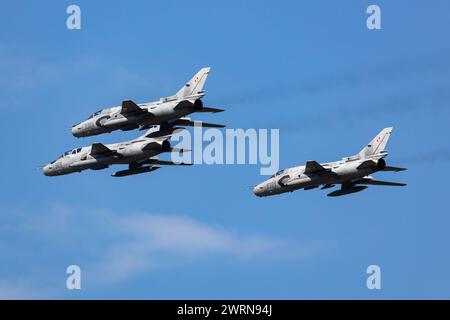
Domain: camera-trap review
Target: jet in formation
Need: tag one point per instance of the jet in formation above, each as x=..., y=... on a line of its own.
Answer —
x=352, y=173
x=162, y=120
x=140, y=154
x=168, y=111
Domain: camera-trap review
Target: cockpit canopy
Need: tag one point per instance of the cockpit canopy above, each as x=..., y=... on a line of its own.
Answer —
x=95, y=114
x=279, y=173
x=73, y=151
x=106, y=111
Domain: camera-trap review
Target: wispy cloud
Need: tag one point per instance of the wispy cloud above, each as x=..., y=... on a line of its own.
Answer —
x=114, y=247
x=156, y=241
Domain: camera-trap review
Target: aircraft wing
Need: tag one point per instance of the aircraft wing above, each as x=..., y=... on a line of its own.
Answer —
x=184, y=122
x=193, y=123
x=163, y=133
x=380, y=183
x=128, y=106
x=154, y=161
x=100, y=149
x=313, y=167
x=167, y=163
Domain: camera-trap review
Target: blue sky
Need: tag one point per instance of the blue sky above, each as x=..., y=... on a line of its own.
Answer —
x=310, y=68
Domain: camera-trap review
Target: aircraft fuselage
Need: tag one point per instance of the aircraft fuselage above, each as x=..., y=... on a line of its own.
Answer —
x=153, y=113
x=295, y=178
x=125, y=153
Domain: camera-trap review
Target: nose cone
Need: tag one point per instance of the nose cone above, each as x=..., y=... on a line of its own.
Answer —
x=76, y=131
x=47, y=170
x=258, y=190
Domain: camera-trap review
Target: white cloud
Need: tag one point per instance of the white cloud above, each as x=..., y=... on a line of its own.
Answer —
x=148, y=241
x=114, y=247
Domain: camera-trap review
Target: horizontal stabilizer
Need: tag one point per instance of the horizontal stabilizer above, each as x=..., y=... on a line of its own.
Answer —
x=208, y=125
x=396, y=169
x=181, y=150
x=129, y=106
x=210, y=109
x=313, y=167
x=100, y=149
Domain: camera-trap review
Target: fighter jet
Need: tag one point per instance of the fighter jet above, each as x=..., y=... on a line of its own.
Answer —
x=167, y=111
x=352, y=173
x=141, y=155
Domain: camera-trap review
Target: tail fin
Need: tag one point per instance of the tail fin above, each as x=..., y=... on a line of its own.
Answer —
x=195, y=85
x=377, y=145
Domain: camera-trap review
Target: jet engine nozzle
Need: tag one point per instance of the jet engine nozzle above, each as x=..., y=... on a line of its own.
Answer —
x=198, y=104
x=381, y=164
x=166, y=145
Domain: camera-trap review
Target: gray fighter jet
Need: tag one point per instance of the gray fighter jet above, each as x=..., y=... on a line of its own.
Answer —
x=141, y=155
x=352, y=173
x=170, y=110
